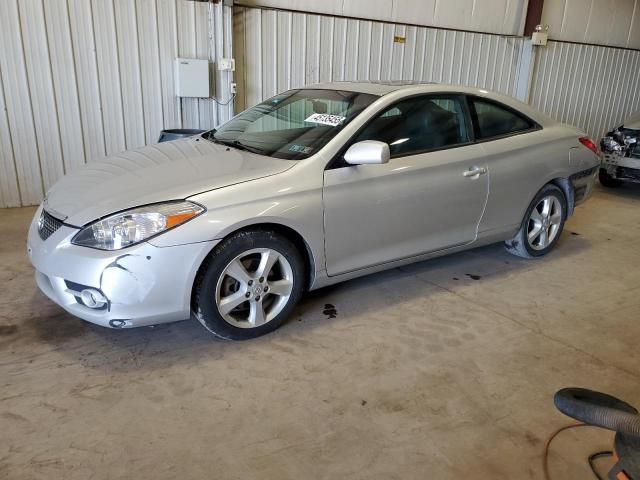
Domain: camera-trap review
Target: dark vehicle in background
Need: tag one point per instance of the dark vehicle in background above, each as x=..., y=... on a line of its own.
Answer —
x=621, y=154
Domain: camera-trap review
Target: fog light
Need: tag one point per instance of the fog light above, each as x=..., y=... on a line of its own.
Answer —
x=92, y=298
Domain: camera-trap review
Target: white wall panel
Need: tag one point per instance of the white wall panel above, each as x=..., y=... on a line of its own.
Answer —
x=18, y=106
x=633, y=41
x=9, y=192
x=491, y=16
x=186, y=17
x=64, y=83
x=108, y=75
x=223, y=18
x=592, y=87
x=131, y=83
x=602, y=22
x=86, y=66
x=168, y=51
x=41, y=88
x=80, y=79
x=206, y=108
x=147, y=19
x=284, y=49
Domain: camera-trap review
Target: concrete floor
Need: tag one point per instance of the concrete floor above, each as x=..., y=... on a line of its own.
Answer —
x=444, y=369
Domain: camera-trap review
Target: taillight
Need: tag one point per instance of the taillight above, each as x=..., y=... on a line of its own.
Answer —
x=587, y=142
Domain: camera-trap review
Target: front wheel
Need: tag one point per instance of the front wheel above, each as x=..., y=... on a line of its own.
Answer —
x=607, y=180
x=249, y=285
x=542, y=225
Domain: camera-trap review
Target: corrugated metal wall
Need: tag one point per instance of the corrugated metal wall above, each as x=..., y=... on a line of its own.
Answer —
x=594, y=88
x=611, y=22
x=277, y=50
x=492, y=16
x=591, y=87
x=81, y=79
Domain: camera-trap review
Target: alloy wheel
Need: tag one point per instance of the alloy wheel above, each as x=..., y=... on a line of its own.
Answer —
x=254, y=288
x=544, y=223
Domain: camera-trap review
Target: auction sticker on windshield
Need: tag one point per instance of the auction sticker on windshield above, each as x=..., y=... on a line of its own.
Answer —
x=325, y=119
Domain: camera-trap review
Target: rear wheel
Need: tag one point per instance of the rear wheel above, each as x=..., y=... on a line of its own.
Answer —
x=607, y=180
x=249, y=285
x=543, y=223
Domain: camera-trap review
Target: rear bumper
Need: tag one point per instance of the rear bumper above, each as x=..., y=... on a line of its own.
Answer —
x=583, y=183
x=142, y=285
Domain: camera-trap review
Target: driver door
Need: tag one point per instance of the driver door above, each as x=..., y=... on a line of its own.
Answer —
x=422, y=201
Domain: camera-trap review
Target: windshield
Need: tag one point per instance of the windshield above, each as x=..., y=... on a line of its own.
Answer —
x=293, y=125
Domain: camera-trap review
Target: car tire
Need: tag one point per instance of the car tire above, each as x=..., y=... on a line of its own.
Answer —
x=234, y=294
x=607, y=180
x=542, y=224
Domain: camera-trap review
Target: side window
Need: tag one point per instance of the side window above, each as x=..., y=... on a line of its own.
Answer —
x=392, y=112
x=496, y=121
x=419, y=124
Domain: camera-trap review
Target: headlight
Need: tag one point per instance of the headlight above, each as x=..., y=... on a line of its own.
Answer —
x=136, y=225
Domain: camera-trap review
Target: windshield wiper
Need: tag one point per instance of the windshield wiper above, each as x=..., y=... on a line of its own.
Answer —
x=238, y=145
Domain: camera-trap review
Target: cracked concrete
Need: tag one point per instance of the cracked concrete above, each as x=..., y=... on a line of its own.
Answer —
x=443, y=369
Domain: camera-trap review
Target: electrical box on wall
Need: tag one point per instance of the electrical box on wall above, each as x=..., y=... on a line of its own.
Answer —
x=539, y=38
x=227, y=65
x=192, y=78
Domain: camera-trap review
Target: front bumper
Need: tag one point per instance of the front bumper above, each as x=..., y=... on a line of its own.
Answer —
x=143, y=284
x=622, y=168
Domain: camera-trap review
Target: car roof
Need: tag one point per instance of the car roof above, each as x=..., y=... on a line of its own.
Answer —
x=381, y=88
x=371, y=87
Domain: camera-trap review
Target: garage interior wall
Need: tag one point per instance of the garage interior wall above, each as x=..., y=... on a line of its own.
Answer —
x=592, y=87
x=614, y=23
x=491, y=16
x=277, y=50
x=579, y=78
x=81, y=79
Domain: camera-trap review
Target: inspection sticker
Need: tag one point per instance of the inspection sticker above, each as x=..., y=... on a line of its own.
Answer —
x=300, y=149
x=325, y=119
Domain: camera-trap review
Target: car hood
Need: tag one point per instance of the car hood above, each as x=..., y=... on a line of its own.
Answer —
x=166, y=171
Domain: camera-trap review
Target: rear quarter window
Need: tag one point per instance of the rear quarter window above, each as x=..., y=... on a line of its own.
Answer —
x=493, y=120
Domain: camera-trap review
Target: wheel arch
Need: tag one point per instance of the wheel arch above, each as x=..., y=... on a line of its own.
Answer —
x=567, y=189
x=286, y=231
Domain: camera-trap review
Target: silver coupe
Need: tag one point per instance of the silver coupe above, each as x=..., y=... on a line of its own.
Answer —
x=311, y=187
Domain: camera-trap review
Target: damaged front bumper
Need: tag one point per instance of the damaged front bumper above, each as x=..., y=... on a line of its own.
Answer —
x=137, y=286
x=621, y=154
x=621, y=168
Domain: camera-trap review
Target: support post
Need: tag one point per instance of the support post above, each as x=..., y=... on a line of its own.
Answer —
x=534, y=16
x=526, y=66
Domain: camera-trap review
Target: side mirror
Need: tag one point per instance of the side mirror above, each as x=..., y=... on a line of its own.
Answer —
x=368, y=152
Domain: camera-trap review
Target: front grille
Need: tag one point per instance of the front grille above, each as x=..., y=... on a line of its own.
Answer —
x=47, y=225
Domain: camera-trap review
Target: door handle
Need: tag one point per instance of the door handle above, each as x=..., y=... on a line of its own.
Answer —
x=475, y=172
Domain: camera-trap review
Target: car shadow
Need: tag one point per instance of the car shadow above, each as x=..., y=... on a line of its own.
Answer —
x=156, y=348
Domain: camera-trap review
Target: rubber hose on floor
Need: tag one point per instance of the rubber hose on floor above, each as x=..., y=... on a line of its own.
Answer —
x=598, y=409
